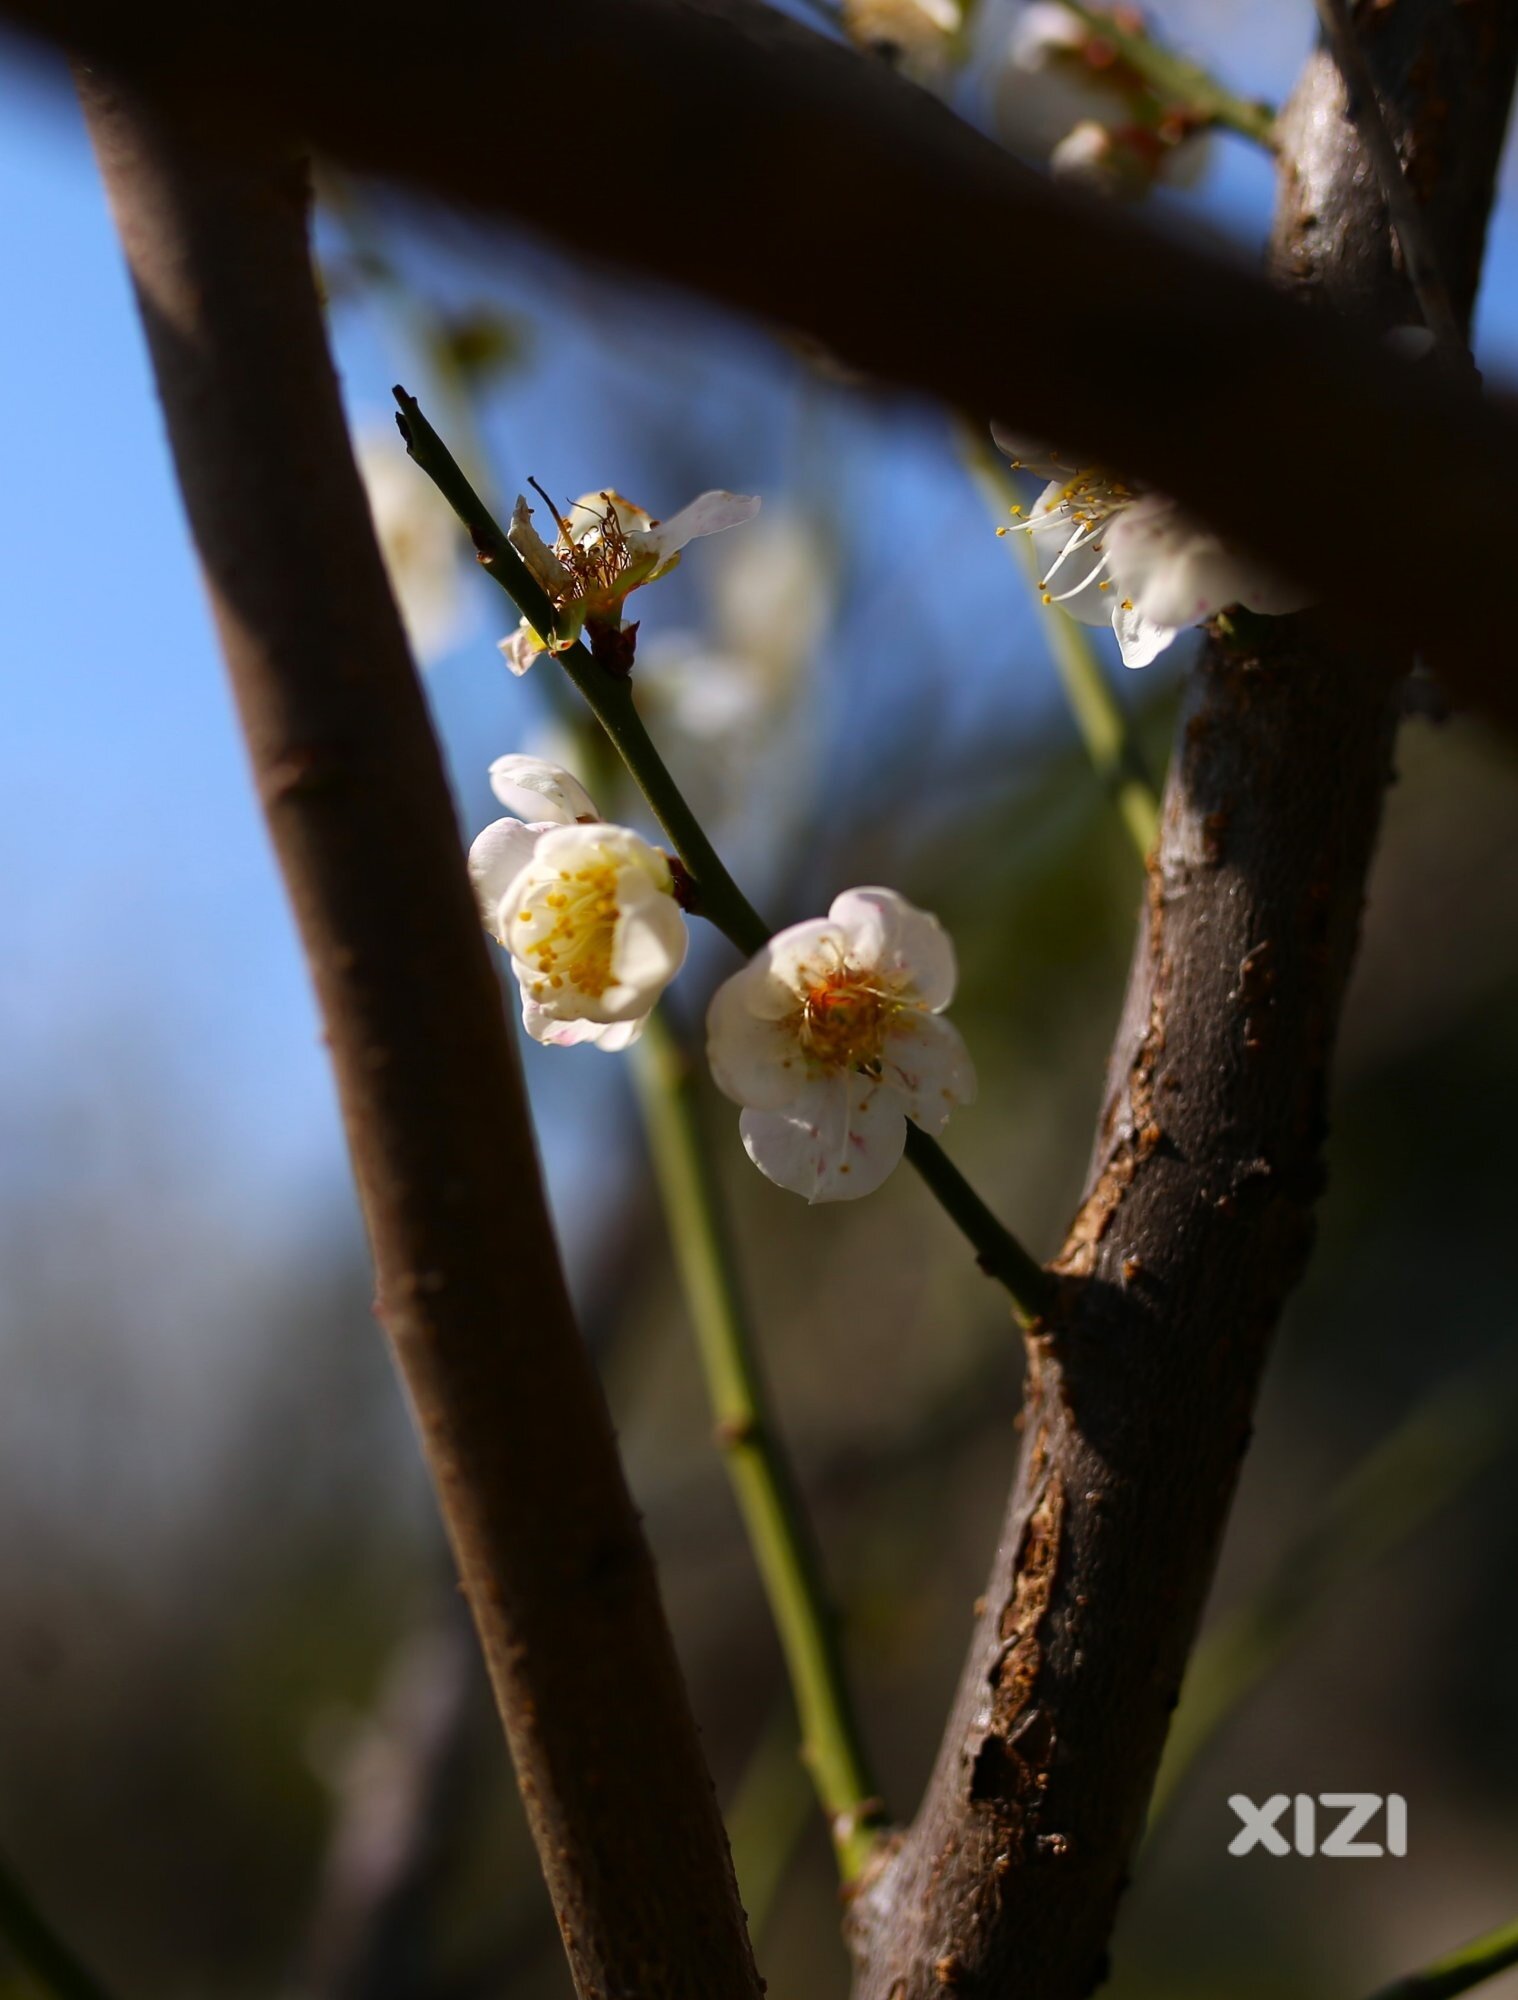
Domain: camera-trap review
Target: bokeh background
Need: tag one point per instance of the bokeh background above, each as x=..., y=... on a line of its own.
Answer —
x=236, y=1694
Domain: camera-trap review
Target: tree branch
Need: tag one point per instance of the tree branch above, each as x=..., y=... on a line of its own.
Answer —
x=512, y=1421
x=1197, y=1217
x=920, y=253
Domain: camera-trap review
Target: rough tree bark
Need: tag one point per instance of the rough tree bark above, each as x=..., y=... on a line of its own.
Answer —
x=1197, y=1217
x=515, y=1431
x=920, y=252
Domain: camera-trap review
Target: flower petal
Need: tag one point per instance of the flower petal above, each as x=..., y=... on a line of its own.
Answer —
x=521, y=648
x=650, y=940
x=794, y=961
x=497, y=857
x=752, y=1048
x=536, y=790
x=926, y=1063
x=554, y=1033
x=587, y=517
x=707, y=514
x=1140, y=640
x=841, y=1139
x=546, y=569
x=884, y=930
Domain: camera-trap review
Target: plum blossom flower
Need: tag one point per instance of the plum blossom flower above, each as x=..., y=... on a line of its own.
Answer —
x=586, y=910
x=605, y=548
x=1117, y=553
x=1061, y=89
x=832, y=1037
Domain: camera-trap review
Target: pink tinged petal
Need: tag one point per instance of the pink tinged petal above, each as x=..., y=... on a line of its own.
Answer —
x=753, y=1051
x=1264, y=591
x=884, y=931
x=928, y=1066
x=521, y=649
x=496, y=858
x=650, y=940
x=544, y=566
x=840, y=1140
x=554, y=1033
x=536, y=790
x=587, y=517
x=707, y=514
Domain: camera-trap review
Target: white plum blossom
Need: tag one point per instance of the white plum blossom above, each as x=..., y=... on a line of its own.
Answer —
x=1060, y=89
x=833, y=1036
x=587, y=910
x=606, y=547
x=1113, y=552
x=419, y=541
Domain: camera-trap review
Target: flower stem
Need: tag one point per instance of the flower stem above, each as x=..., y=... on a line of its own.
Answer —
x=1182, y=83
x=37, y=1946
x=762, y=1479
x=717, y=896
x=1104, y=728
x=1483, y=1958
x=997, y=1252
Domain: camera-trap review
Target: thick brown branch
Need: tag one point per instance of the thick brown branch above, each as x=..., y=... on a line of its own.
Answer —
x=1197, y=1218
x=715, y=144
x=512, y=1421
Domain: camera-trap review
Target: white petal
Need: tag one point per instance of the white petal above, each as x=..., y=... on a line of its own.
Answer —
x=884, y=930
x=1139, y=639
x=650, y=941
x=536, y=790
x=546, y=569
x=927, y=1064
x=497, y=857
x=1032, y=456
x=707, y=514
x=841, y=1140
x=554, y=1033
x=521, y=649
x=753, y=1051
x=1261, y=589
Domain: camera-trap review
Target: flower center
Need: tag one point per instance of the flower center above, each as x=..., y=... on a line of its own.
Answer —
x=574, y=922
x=844, y=1019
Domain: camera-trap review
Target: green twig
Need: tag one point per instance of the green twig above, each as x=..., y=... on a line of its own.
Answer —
x=762, y=1479
x=715, y=895
x=1099, y=717
x=1182, y=84
x=1409, y=1476
x=1482, y=1958
x=37, y=1946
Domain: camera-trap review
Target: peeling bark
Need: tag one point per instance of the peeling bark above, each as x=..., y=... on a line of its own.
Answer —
x=1198, y=1214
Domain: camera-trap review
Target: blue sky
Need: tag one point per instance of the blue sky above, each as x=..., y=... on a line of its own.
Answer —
x=145, y=920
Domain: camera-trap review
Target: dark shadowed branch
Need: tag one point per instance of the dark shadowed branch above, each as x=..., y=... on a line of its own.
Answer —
x=920, y=252
x=513, y=1424
x=1198, y=1213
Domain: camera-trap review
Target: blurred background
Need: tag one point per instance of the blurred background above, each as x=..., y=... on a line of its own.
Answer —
x=244, y=1747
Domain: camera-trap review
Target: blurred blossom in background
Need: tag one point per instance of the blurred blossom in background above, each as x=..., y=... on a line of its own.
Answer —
x=226, y=1616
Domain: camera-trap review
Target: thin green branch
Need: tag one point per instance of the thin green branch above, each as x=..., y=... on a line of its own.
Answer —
x=1104, y=728
x=765, y=1486
x=1483, y=1958
x=38, y=1948
x=1181, y=83
x=715, y=895
x=1398, y=1487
